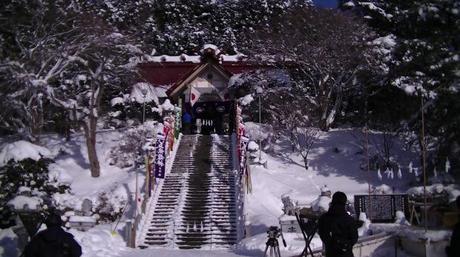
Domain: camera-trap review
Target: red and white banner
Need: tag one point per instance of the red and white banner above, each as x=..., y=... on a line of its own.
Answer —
x=194, y=95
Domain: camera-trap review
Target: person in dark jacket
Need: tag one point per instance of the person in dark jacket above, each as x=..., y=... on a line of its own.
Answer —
x=187, y=122
x=453, y=250
x=53, y=241
x=337, y=229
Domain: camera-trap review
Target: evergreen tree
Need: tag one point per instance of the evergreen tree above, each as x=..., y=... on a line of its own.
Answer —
x=425, y=61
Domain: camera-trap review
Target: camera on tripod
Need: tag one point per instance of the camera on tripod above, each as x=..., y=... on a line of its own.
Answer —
x=272, y=243
x=273, y=232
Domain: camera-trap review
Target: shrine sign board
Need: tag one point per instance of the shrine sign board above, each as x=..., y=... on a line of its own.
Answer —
x=382, y=208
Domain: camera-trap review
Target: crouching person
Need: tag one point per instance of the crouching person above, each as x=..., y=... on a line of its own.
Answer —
x=453, y=250
x=53, y=241
x=337, y=229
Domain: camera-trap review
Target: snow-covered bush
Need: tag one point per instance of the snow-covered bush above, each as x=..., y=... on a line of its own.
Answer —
x=25, y=181
x=129, y=151
x=106, y=209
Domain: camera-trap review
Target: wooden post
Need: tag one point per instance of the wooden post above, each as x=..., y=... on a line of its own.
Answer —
x=425, y=219
x=369, y=212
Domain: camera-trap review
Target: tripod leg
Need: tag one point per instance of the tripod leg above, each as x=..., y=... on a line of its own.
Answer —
x=278, y=251
x=265, y=253
x=304, y=252
x=311, y=252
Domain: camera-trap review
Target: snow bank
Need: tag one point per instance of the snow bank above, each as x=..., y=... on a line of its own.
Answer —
x=99, y=242
x=8, y=243
x=21, y=150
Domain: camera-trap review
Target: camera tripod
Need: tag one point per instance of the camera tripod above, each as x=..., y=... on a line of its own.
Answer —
x=274, y=246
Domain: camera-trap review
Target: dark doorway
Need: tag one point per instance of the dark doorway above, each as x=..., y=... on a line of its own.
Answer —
x=212, y=117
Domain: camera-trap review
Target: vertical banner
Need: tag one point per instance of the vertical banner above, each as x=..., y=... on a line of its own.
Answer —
x=243, y=157
x=168, y=128
x=160, y=157
x=178, y=122
x=170, y=140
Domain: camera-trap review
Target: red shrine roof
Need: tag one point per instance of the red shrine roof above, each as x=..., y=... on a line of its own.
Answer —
x=161, y=74
x=170, y=71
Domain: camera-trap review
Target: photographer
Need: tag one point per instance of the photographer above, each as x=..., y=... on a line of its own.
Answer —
x=454, y=248
x=337, y=229
x=53, y=241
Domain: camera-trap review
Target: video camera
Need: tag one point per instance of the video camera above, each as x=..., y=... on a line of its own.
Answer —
x=273, y=232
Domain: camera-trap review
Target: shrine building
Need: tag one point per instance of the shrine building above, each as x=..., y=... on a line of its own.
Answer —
x=200, y=85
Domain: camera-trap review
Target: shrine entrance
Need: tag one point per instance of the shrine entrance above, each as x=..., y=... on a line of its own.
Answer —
x=213, y=117
x=200, y=84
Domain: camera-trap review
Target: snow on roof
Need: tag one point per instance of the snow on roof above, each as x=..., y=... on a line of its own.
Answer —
x=212, y=47
x=25, y=202
x=175, y=58
x=193, y=58
x=232, y=58
x=21, y=150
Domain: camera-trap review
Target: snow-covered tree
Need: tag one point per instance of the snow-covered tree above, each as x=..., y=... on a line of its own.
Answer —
x=39, y=44
x=102, y=63
x=66, y=59
x=424, y=63
x=323, y=52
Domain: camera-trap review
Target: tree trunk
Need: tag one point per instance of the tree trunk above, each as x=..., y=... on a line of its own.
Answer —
x=90, y=135
x=36, y=120
x=305, y=162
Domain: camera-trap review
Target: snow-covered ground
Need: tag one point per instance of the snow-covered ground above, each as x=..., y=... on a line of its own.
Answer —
x=334, y=161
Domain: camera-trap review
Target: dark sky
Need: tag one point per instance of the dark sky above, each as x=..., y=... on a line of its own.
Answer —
x=326, y=3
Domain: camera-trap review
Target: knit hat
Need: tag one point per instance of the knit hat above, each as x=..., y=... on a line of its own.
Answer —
x=53, y=220
x=339, y=198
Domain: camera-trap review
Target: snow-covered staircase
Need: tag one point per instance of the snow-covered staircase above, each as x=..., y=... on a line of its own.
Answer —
x=196, y=207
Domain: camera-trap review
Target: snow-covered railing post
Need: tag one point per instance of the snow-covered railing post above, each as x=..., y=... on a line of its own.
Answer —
x=239, y=193
x=235, y=160
x=173, y=234
x=239, y=196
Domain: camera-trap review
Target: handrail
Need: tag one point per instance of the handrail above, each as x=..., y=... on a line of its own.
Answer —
x=147, y=205
x=239, y=191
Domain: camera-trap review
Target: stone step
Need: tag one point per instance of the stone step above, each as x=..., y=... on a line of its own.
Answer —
x=163, y=207
x=156, y=228
x=216, y=230
x=163, y=242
